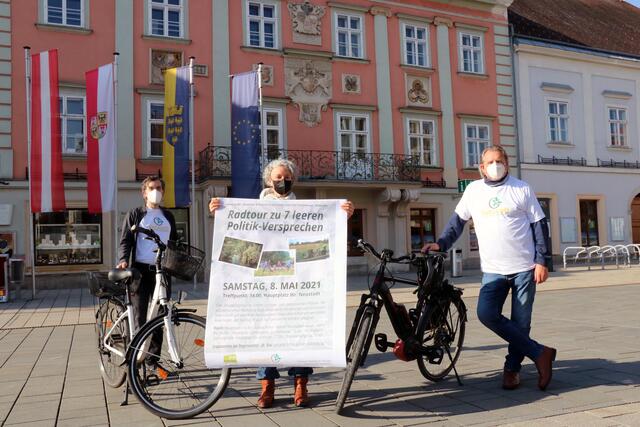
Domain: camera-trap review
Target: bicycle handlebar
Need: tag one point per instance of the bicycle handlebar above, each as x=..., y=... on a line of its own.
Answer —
x=149, y=233
x=387, y=254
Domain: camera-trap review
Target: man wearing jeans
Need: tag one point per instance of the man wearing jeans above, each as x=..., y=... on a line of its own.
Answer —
x=512, y=231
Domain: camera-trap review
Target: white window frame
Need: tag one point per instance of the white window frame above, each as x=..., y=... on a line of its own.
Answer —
x=336, y=31
x=353, y=115
x=415, y=41
x=422, y=136
x=477, y=140
x=261, y=19
x=559, y=117
x=166, y=7
x=280, y=128
x=64, y=96
x=64, y=15
x=148, y=122
x=617, y=136
x=462, y=48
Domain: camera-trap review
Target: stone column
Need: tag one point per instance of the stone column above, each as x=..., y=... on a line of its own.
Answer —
x=383, y=78
x=220, y=72
x=124, y=45
x=450, y=172
x=384, y=228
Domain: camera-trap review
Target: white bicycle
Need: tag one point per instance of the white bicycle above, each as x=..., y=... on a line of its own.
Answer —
x=173, y=382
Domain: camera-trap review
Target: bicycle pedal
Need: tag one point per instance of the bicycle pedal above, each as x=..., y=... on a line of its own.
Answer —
x=381, y=343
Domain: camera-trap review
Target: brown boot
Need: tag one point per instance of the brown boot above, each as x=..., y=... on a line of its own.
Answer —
x=300, y=397
x=510, y=380
x=266, y=397
x=544, y=363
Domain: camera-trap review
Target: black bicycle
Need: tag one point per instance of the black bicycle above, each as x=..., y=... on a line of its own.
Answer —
x=432, y=332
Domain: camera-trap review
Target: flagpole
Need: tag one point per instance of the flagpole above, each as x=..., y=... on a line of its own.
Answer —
x=27, y=67
x=115, y=131
x=260, y=146
x=192, y=154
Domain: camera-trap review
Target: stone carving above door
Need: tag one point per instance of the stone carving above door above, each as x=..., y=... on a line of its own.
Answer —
x=308, y=84
x=306, y=22
x=418, y=91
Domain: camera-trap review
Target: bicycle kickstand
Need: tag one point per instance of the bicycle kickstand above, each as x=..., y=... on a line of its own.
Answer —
x=455, y=371
x=125, y=398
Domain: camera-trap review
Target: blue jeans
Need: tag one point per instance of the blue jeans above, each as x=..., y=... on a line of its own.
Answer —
x=272, y=373
x=493, y=293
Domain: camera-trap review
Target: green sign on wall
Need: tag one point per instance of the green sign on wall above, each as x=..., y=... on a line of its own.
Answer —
x=462, y=184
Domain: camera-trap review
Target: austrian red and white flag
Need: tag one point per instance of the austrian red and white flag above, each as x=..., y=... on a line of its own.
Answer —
x=47, y=180
x=101, y=140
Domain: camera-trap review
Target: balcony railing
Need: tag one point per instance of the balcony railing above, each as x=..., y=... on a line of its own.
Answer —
x=616, y=164
x=567, y=161
x=215, y=162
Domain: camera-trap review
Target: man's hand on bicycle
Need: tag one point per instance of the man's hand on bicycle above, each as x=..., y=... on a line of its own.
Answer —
x=430, y=247
x=122, y=265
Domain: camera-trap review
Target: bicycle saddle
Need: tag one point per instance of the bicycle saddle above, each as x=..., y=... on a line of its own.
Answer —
x=118, y=275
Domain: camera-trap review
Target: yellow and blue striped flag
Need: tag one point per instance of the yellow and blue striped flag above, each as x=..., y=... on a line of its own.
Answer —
x=175, y=147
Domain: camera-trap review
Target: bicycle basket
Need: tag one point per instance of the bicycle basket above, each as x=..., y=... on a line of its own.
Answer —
x=100, y=286
x=181, y=260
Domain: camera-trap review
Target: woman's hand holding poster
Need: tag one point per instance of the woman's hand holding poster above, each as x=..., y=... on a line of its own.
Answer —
x=277, y=291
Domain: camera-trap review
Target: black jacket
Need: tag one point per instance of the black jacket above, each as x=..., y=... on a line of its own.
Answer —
x=127, y=249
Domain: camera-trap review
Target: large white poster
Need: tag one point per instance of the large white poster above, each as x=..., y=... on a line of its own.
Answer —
x=277, y=291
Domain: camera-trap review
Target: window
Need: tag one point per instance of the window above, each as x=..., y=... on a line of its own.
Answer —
x=262, y=23
x=421, y=139
x=70, y=237
x=617, y=126
x=415, y=45
x=423, y=228
x=353, y=134
x=589, y=222
x=272, y=132
x=477, y=138
x=349, y=35
x=155, y=128
x=471, y=53
x=64, y=12
x=558, y=114
x=165, y=18
x=72, y=125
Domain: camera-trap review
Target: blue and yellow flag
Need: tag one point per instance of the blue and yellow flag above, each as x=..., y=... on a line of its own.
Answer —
x=245, y=136
x=175, y=147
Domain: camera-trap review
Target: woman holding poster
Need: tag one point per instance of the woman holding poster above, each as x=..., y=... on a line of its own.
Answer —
x=279, y=176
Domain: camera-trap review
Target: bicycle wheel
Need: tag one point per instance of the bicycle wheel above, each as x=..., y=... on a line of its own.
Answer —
x=167, y=389
x=354, y=357
x=447, y=332
x=111, y=364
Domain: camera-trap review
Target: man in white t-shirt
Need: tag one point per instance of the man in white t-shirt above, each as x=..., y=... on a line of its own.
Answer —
x=512, y=232
x=137, y=251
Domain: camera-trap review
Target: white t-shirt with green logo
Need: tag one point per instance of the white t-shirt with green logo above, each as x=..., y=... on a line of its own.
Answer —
x=502, y=216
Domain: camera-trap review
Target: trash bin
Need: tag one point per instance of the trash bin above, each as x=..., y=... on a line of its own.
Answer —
x=16, y=274
x=456, y=262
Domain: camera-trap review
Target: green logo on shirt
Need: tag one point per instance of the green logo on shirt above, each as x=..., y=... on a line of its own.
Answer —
x=495, y=202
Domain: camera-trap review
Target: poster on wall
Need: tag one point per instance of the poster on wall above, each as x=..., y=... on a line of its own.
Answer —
x=568, y=230
x=7, y=242
x=277, y=290
x=617, y=229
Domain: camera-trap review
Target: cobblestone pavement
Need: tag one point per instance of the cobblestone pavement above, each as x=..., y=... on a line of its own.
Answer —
x=49, y=374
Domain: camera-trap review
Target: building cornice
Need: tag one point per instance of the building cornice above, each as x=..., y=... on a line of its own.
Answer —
x=557, y=52
x=496, y=7
x=572, y=169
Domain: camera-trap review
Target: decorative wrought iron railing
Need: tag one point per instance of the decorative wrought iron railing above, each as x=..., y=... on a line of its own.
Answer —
x=568, y=161
x=434, y=184
x=617, y=164
x=215, y=162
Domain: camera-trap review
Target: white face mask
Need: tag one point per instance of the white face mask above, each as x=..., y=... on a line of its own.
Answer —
x=495, y=171
x=154, y=196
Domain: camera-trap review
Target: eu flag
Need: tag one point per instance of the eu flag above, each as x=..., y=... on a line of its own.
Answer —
x=175, y=147
x=245, y=136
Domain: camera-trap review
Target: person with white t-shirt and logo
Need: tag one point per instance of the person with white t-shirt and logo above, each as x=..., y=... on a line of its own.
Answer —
x=138, y=252
x=512, y=236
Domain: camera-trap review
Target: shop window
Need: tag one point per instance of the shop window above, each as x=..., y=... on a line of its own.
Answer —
x=71, y=237
x=589, y=222
x=355, y=231
x=423, y=228
x=181, y=216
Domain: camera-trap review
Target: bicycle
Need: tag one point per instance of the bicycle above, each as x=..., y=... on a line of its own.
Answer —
x=175, y=383
x=432, y=330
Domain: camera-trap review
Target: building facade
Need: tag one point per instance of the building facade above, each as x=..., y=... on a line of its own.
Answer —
x=386, y=103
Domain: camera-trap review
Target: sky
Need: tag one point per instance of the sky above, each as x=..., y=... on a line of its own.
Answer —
x=634, y=2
